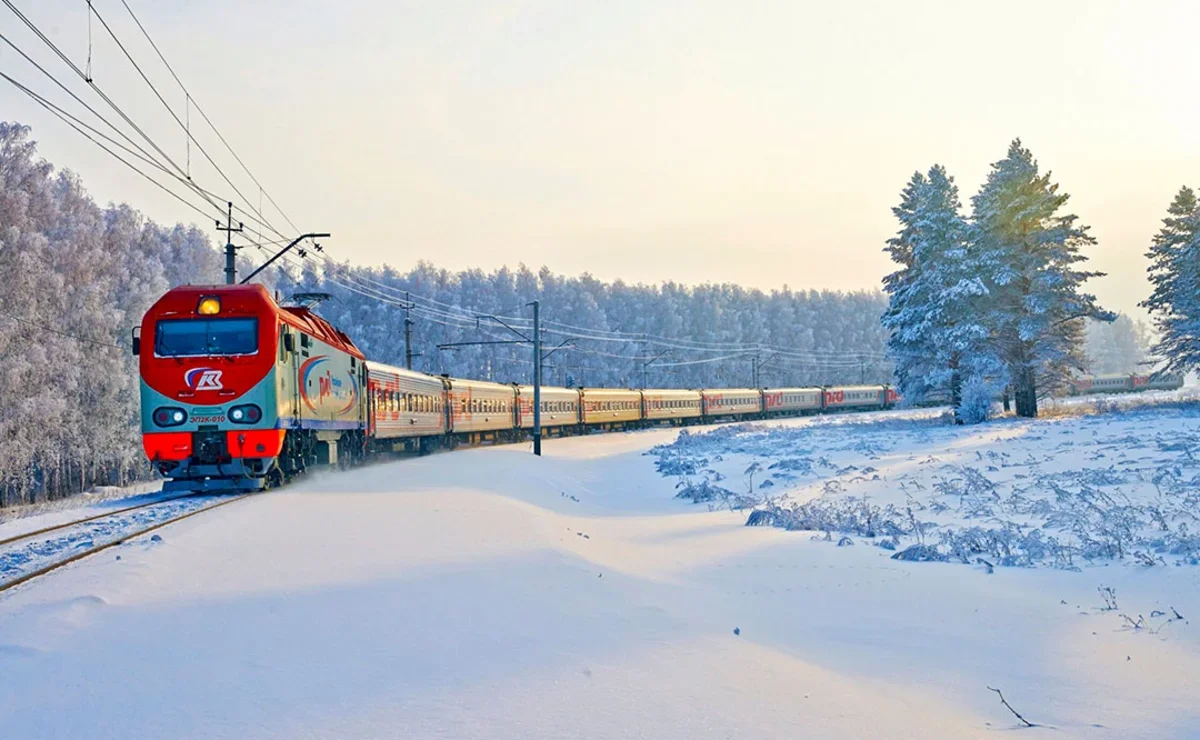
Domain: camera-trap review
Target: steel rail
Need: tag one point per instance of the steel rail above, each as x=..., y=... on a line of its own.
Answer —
x=75, y=522
x=5, y=586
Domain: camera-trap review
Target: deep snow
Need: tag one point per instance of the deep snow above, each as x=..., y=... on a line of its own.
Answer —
x=490, y=594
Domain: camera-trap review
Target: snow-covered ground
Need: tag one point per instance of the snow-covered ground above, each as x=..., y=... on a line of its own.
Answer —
x=490, y=594
x=20, y=519
x=113, y=521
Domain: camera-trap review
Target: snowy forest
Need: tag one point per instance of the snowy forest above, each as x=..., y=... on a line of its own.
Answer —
x=76, y=277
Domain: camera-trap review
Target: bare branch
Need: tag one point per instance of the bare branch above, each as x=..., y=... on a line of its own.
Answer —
x=1009, y=706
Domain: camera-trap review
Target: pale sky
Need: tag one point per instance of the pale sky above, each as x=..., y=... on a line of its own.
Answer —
x=760, y=143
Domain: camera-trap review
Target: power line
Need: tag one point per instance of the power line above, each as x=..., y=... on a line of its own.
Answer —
x=204, y=115
x=103, y=96
x=171, y=110
x=39, y=327
x=144, y=155
x=111, y=153
x=212, y=199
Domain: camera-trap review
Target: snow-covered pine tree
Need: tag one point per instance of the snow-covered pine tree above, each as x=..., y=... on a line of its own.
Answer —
x=930, y=315
x=1174, y=302
x=1028, y=254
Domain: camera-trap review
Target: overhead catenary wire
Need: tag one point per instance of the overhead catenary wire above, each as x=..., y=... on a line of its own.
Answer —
x=171, y=110
x=111, y=153
x=204, y=115
x=183, y=174
x=143, y=153
x=91, y=83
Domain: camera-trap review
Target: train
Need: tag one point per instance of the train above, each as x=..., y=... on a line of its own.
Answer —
x=1122, y=383
x=241, y=393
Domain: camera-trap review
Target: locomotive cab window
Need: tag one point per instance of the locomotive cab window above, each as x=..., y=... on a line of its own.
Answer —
x=205, y=337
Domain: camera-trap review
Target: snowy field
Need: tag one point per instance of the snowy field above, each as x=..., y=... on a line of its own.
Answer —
x=490, y=594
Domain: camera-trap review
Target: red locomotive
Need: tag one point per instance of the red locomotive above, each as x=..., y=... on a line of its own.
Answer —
x=238, y=392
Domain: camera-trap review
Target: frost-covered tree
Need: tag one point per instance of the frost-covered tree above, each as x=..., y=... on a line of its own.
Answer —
x=74, y=278
x=1174, y=302
x=931, y=317
x=1028, y=254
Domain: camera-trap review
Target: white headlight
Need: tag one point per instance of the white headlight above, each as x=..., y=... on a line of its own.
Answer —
x=177, y=417
x=237, y=414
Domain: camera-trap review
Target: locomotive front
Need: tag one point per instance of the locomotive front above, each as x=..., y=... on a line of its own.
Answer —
x=207, y=356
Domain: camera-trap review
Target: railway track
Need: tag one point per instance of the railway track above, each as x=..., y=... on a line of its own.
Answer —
x=12, y=557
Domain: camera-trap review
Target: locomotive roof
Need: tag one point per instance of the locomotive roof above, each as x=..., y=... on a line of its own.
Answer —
x=304, y=319
x=255, y=298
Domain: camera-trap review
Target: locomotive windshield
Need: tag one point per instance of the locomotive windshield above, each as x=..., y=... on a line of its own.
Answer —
x=204, y=337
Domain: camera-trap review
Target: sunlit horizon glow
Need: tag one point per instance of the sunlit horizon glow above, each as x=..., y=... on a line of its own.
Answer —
x=666, y=141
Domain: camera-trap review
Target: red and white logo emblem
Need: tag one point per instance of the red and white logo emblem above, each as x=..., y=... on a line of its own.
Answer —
x=203, y=379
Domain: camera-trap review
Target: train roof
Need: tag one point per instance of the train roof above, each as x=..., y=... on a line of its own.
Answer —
x=379, y=367
x=469, y=383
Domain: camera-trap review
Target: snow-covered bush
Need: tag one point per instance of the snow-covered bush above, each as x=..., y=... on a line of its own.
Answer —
x=977, y=401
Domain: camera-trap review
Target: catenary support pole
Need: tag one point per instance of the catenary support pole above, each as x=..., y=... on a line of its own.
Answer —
x=537, y=381
x=407, y=332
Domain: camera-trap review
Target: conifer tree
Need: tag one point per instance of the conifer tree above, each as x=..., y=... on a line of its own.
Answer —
x=932, y=297
x=1028, y=254
x=1174, y=301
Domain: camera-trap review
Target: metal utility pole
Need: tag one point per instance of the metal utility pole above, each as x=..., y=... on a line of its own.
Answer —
x=408, y=355
x=538, y=357
x=756, y=366
x=230, y=250
x=229, y=256
x=537, y=380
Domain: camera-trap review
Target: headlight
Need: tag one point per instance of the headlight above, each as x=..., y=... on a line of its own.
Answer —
x=247, y=414
x=169, y=417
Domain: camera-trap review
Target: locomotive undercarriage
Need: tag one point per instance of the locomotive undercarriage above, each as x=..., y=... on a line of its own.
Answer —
x=212, y=469
x=304, y=449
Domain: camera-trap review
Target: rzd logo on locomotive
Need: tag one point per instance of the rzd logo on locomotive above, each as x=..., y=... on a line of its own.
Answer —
x=203, y=379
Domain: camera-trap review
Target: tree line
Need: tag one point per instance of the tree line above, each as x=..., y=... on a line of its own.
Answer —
x=76, y=277
x=618, y=334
